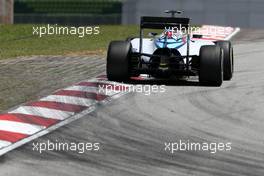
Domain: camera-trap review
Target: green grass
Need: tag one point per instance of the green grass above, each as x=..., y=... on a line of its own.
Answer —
x=18, y=40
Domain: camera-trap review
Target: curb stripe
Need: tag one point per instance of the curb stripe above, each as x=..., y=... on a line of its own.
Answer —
x=229, y=32
x=35, y=120
x=91, y=90
x=104, y=85
x=18, y=127
x=83, y=89
x=57, y=106
x=73, y=100
x=205, y=39
x=81, y=94
x=4, y=143
x=43, y=112
x=11, y=136
x=237, y=30
x=102, y=77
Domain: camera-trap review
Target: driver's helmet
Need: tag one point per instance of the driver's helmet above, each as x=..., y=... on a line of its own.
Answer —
x=170, y=39
x=171, y=34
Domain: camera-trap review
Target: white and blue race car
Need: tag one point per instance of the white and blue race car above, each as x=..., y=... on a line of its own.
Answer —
x=172, y=53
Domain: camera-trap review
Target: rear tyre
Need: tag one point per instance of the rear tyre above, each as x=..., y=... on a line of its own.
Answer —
x=211, y=66
x=228, y=59
x=134, y=61
x=118, y=61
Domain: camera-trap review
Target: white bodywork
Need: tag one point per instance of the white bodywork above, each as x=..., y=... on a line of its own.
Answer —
x=149, y=47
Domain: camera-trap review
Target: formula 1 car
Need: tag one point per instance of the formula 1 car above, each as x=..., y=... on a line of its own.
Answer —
x=170, y=54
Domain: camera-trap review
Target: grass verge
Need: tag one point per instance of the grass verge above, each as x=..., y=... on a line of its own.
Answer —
x=18, y=40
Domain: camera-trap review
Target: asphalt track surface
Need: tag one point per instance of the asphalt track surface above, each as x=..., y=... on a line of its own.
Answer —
x=132, y=129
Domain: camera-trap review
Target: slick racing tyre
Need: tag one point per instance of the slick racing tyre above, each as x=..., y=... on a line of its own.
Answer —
x=228, y=58
x=211, y=65
x=118, y=64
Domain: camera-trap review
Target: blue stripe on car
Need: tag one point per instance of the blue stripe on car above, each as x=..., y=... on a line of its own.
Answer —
x=169, y=43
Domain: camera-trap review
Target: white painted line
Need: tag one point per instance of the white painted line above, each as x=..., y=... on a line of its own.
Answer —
x=93, y=80
x=237, y=30
x=83, y=89
x=18, y=127
x=43, y=112
x=4, y=143
x=69, y=99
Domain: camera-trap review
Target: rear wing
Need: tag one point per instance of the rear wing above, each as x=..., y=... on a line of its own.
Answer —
x=163, y=22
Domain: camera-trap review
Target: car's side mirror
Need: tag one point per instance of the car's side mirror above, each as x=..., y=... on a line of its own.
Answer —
x=152, y=34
